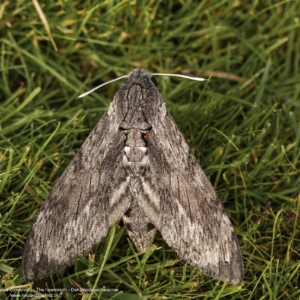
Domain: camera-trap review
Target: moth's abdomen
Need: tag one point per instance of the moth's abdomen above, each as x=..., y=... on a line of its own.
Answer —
x=135, y=157
x=136, y=161
x=135, y=154
x=139, y=227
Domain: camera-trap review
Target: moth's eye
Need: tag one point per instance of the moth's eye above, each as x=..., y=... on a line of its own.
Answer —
x=153, y=80
x=122, y=128
x=145, y=136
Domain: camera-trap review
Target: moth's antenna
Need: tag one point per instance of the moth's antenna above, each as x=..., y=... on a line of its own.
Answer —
x=99, y=86
x=179, y=75
x=125, y=76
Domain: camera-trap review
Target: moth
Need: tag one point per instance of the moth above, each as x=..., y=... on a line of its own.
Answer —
x=134, y=165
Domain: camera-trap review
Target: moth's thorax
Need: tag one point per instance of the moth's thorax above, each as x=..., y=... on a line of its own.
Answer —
x=136, y=137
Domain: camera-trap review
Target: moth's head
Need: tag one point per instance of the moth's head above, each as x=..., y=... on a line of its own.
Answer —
x=141, y=76
x=139, y=72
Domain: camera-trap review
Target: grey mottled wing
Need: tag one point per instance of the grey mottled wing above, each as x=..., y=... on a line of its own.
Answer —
x=181, y=202
x=88, y=198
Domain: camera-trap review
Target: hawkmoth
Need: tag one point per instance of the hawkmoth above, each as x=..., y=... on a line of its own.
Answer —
x=135, y=165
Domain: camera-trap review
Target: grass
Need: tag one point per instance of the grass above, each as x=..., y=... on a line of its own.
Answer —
x=243, y=126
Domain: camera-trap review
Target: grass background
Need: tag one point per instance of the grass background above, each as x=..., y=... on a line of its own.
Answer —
x=243, y=126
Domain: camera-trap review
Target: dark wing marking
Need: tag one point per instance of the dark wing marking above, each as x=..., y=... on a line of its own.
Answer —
x=181, y=202
x=91, y=195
